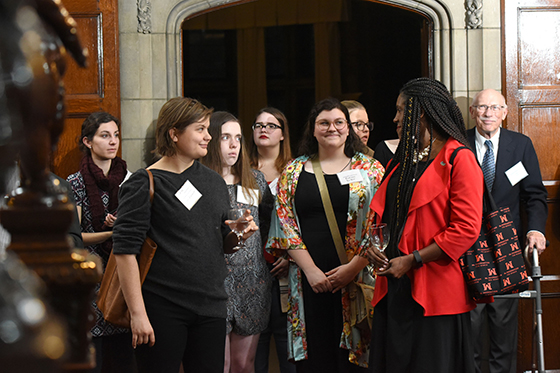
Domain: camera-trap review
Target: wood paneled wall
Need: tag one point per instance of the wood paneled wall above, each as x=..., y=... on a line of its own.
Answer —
x=531, y=84
x=95, y=88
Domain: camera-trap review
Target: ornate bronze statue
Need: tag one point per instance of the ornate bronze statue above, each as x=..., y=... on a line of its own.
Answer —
x=35, y=36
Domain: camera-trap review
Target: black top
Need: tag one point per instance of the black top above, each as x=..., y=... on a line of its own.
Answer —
x=383, y=154
x=315, y=231
x=388, y=212
x=188, y=268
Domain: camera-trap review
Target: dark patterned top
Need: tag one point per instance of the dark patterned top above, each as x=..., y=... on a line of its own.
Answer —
x=248, y=283
x=101, y=327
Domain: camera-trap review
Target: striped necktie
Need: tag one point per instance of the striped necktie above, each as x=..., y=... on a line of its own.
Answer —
x=488, y=165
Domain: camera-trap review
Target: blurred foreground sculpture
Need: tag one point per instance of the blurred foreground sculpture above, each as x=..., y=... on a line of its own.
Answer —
x=34, y=38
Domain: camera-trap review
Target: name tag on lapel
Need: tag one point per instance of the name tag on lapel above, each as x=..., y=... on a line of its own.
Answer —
x=516, y=173
x=188, y=195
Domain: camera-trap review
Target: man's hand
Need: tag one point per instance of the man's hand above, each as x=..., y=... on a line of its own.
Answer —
x=536, y=239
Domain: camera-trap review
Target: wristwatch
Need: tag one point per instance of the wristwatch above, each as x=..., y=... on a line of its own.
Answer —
x=417, y=259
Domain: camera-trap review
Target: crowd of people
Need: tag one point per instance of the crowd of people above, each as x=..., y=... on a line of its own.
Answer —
x=213, y=298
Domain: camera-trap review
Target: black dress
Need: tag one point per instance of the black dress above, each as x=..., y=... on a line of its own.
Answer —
x=323, y=311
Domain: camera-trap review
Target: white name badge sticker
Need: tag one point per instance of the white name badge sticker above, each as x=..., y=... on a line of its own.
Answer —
x=126, y=177
x=273, y=186
x=516, y=173
x=188, y=195
x=252, y=197
x=350, y=176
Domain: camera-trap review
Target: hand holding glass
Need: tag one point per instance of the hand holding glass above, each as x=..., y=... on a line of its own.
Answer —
x=379, y=238
x=238, y=225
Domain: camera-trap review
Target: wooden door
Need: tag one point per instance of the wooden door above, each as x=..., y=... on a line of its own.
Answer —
x=531, y=81
x=94, y=88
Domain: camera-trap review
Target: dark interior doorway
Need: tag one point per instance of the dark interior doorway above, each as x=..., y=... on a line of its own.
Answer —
x=379, y=48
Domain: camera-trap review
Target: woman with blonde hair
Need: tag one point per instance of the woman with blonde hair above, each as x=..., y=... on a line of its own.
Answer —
x=361, y=123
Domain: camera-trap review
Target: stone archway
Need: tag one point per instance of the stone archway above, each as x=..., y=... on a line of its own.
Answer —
x=437, y=12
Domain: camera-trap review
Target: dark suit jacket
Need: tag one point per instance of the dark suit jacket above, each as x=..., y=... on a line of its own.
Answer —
x=530, y=191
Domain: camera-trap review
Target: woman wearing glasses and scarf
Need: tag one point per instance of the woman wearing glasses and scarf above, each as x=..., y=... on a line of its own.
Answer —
x=320, y=336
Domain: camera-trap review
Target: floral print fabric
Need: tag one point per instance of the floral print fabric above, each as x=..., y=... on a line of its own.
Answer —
x=284, y=235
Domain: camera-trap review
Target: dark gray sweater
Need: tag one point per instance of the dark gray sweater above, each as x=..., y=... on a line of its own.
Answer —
x=188, y=268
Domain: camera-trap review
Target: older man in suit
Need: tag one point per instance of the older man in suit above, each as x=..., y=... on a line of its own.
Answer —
x=512, y=174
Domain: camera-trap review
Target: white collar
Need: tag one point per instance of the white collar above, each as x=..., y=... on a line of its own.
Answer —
x=481, y=147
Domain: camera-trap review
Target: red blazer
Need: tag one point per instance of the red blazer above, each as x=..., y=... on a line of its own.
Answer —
x=448, y=212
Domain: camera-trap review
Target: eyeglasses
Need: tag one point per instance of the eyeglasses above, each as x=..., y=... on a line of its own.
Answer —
x=338, y=124
x=268, y=126
x=361, y=126
x=483, y=108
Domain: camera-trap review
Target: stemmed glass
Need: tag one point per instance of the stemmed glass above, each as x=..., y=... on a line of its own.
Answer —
x=379, y=238
x=238, y=226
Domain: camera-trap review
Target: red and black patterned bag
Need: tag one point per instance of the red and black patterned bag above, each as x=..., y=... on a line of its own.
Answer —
x=494, y=264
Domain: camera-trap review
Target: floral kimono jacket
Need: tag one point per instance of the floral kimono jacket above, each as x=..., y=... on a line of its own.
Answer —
x=285, y=235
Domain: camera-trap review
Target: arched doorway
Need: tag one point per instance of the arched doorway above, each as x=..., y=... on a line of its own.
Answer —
x=291, y=54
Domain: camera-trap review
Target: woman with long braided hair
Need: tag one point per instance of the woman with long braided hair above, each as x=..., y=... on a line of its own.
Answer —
x=433, y=208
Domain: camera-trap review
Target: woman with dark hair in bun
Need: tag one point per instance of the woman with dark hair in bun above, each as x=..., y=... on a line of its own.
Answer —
x=96, y=189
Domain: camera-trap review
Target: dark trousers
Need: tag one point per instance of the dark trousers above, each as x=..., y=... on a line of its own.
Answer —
x=181, y=336
x=114, y=354
x=277, y=327
x=501, y=319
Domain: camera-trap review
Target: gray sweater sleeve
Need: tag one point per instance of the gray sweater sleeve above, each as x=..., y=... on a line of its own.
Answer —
x=133, y=215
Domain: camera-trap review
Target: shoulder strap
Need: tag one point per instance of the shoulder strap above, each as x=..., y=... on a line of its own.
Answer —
x=327, y=204
x=454, y=154
x=488, y=203
x=151, y=178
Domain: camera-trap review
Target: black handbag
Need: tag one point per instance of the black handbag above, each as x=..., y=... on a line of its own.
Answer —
x=494, y=264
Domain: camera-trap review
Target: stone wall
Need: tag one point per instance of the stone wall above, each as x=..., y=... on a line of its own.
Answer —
x=467, y=51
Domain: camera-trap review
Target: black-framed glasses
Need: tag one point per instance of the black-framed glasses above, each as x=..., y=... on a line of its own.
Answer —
x=483, y=108
x=361, y=126
x=338, y=124
x=268, y=126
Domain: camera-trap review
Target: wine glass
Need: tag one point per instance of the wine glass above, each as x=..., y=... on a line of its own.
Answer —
x=379, y=238
x=238, y=226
